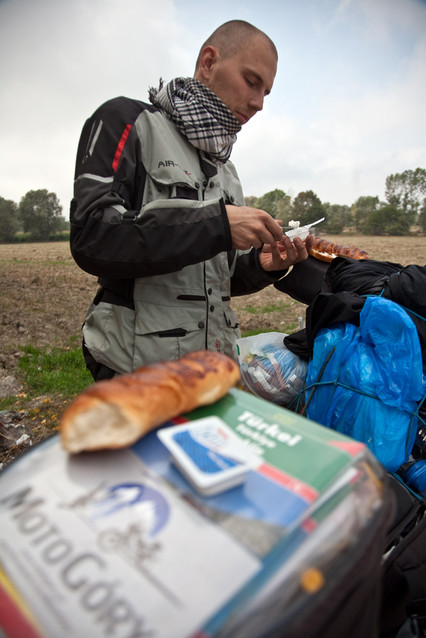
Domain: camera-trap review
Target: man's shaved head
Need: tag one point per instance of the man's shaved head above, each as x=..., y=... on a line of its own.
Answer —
x=232, y=36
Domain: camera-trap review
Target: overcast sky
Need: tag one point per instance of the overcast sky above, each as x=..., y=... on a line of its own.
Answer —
x=347, y=108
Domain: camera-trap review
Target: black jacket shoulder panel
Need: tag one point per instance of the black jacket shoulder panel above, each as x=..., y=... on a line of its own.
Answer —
x=124, y=107
x=104, y=129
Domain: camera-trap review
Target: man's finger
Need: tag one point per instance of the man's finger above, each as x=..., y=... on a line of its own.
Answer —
x=274, y=227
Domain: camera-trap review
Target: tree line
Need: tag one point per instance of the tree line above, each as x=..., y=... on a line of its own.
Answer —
x=38, y=216
x=404, y=208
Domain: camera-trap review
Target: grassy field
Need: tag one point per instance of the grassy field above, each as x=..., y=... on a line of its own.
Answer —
x=43, y=299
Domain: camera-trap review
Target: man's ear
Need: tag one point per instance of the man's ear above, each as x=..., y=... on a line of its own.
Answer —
x=207, y=59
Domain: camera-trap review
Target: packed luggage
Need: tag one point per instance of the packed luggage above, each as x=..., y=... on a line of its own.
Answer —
x=364, y=344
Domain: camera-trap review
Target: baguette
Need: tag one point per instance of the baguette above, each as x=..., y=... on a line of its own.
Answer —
x=115, y=413
x=327, y=251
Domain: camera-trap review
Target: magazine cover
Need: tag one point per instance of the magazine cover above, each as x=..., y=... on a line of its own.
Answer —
x=182, y=533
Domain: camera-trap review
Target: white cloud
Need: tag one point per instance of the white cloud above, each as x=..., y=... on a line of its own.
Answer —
x=60, y=60
x=343, y=141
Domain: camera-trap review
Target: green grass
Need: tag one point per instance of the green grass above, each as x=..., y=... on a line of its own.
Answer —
x=289, y=328
x=57, y=370
x=255, y=310
x=46, y=262
x=8, y=403
x=51, y=378
x=250, y=333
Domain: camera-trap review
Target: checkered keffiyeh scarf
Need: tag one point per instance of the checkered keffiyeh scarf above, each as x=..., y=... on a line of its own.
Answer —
x=199, y=115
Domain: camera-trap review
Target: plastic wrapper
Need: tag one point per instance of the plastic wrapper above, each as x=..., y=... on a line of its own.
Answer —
x=269, y=370
x=366, y=381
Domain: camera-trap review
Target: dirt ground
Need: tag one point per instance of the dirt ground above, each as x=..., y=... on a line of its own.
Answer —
x=44, y=296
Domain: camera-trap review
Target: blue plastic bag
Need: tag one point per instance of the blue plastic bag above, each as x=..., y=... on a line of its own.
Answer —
x=372, y=382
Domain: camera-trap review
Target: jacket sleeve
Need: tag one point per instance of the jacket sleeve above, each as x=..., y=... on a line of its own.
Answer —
x=109, y=237
x=248, y=275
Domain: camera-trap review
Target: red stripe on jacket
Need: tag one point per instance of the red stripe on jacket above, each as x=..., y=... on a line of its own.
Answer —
x=120, y=146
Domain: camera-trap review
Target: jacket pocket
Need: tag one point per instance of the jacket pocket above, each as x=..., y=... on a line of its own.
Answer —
x=164, y=332
x=165, y=185
x=108, y=332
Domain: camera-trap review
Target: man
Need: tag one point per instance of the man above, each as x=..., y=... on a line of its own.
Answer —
x=158, y=212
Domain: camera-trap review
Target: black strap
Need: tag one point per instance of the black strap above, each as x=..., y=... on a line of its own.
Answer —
x=416, y=579
x=209, y=168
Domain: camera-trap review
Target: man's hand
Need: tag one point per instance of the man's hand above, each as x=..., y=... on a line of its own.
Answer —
x=252, y=227
x=285, y=253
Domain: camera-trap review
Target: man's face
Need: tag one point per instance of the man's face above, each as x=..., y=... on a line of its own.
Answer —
x=243, y=80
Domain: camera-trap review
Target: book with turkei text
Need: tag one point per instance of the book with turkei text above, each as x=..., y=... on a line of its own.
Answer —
x=220, y=523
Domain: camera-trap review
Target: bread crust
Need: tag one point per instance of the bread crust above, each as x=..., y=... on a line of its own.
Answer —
x=327, y=250
x=115, y=413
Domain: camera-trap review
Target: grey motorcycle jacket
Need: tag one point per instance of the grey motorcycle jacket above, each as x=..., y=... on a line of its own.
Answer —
x=148, y=219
